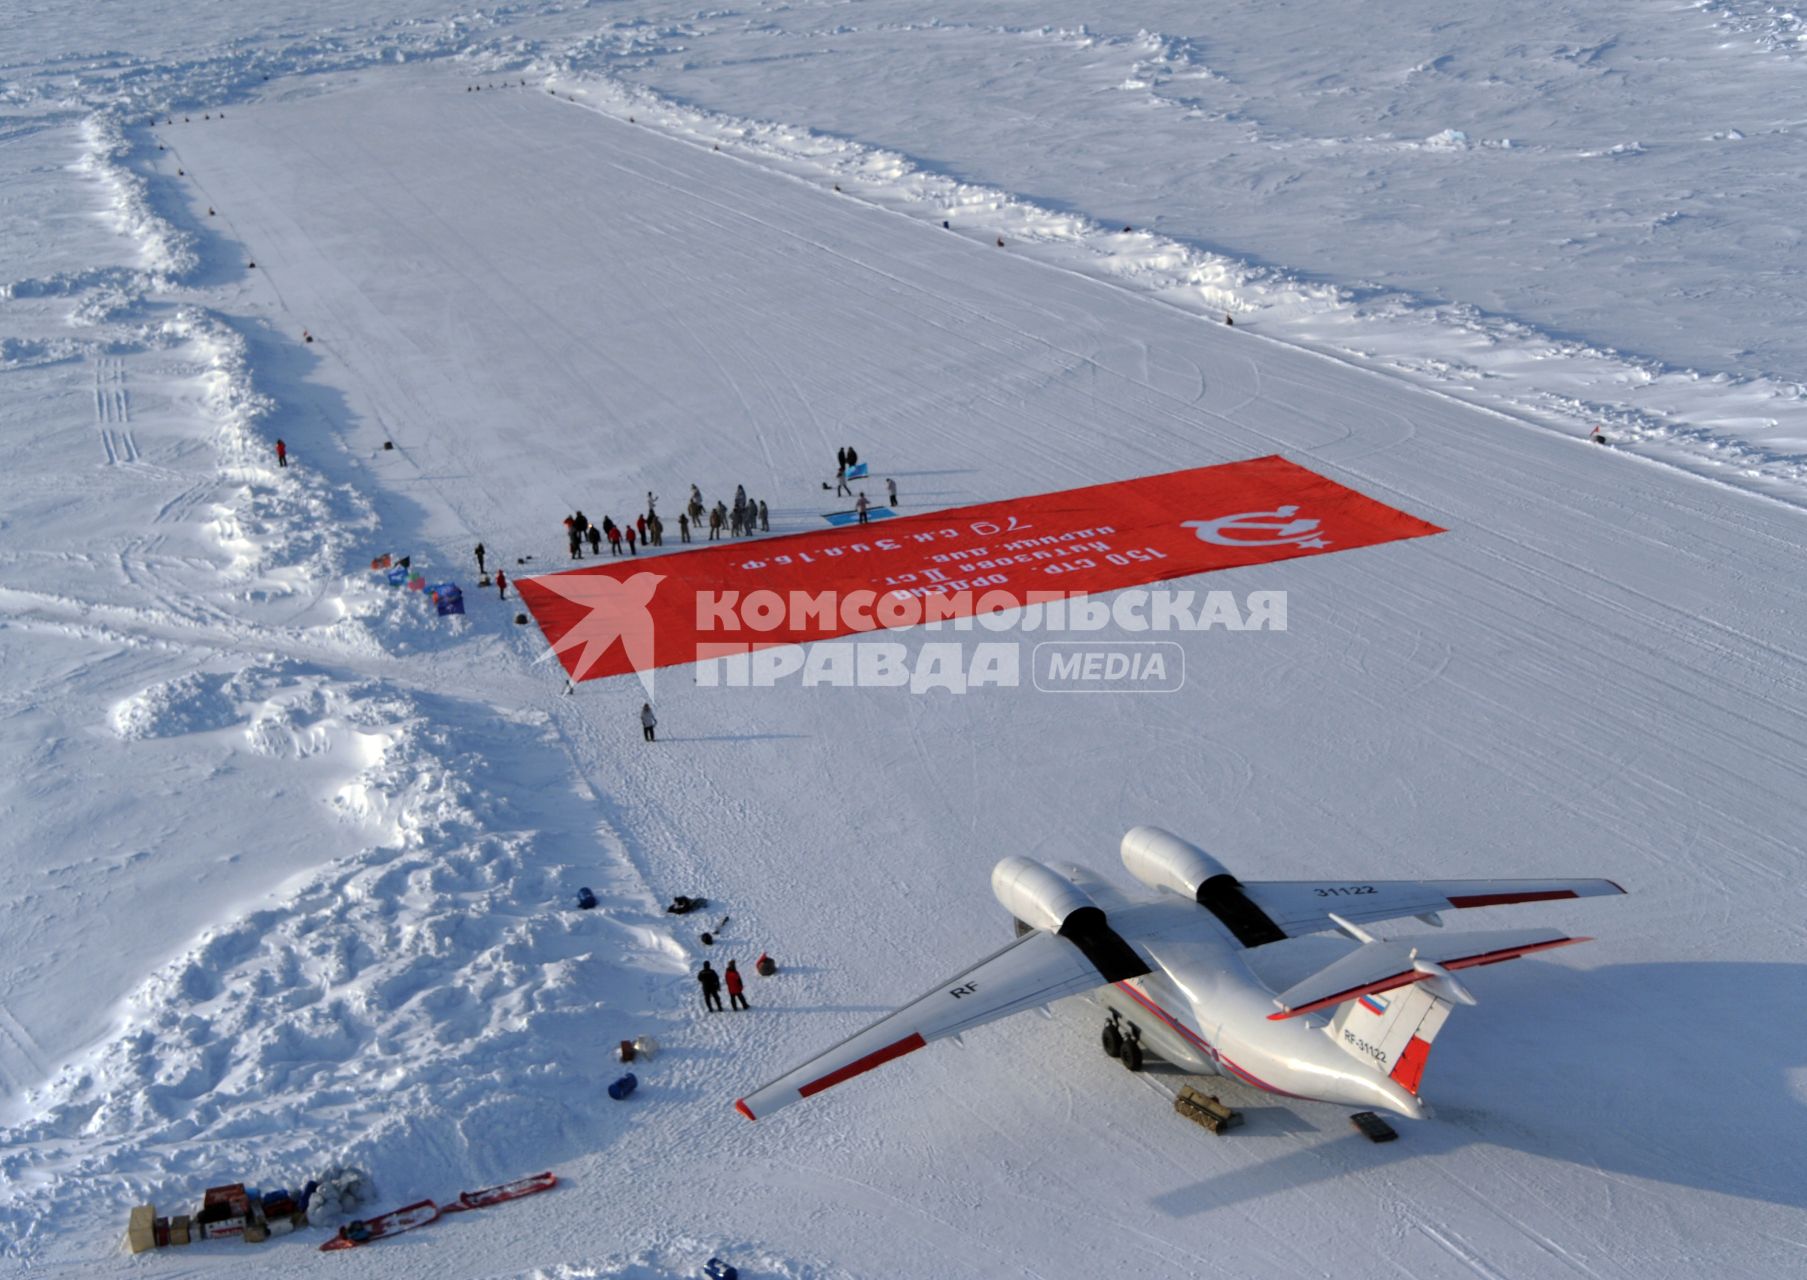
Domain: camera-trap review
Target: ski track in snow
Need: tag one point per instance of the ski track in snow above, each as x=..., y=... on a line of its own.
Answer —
x=425, y=1001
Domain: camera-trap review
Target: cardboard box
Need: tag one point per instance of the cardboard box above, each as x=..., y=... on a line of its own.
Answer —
x=231, y=1198
x=222, y=1227
x=141, y=1229
x=179, y=1229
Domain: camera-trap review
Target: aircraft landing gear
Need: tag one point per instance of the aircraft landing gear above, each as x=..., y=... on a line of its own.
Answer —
x=1112, y=1038
x=1123, y=1042
x=1132, y=1050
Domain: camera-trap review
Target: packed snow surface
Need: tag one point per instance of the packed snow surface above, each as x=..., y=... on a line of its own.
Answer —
x=292, y=863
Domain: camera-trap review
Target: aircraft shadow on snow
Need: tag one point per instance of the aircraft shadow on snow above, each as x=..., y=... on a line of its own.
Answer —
x=1675, y=1073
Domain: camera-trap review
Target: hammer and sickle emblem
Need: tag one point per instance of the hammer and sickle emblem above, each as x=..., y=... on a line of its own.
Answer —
x=1268, y=528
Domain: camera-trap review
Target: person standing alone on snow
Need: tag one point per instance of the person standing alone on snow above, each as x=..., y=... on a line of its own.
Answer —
x=282, y=454
x=861, y=506
x=712, y=988
x=735, y=999
x=891, y=490
x=765, y=519
x=683, y=527
x=501, y=585
x=648, y=721
x=480, y=568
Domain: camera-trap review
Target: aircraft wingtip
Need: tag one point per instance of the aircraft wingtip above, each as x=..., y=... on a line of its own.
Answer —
x=740, y=1105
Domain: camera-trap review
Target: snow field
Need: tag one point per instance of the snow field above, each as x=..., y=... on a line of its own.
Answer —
x=361, y=941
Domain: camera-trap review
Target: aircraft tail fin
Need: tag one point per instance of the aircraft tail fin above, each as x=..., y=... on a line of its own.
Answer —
x=1392, y=995
x=1393, y=1029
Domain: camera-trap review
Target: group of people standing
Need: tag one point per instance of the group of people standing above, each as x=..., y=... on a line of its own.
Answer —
x=644, y=530
x=745, y=517
x=713, y=982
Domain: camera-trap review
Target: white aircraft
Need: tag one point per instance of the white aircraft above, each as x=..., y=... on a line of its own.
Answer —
x=1190, y=975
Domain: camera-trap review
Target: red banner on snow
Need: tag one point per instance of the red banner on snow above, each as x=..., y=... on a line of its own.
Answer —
x=724, y=597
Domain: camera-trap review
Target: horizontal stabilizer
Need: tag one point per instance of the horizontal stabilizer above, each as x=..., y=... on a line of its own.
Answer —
x=1382, y=965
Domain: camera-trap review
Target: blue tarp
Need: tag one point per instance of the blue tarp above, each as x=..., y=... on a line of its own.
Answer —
x=447, y=597
x=874, y=512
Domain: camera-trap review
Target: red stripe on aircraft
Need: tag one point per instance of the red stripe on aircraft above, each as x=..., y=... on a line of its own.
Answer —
x=740, y=1105
x=1501, y=899
x=1214, y=1054
x=877, y=1058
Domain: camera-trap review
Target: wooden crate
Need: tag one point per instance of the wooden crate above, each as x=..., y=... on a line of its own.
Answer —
x=141, y=1229
x=1205, y=1110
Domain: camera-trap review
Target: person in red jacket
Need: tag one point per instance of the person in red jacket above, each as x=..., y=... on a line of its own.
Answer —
x=282, y=454
x=731, y=979
x=630, y=541
x=501, y=585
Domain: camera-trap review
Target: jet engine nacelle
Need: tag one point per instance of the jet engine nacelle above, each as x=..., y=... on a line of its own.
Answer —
x=1037, y=895
x=1161, y=860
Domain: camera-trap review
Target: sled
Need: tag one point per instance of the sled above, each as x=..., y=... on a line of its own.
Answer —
x=423, y=1212
x=396, y=1221
x=506, y=1191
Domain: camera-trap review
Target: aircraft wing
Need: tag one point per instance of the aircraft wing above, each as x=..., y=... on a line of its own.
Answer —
x=1034, y=970
x=1304, y=906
